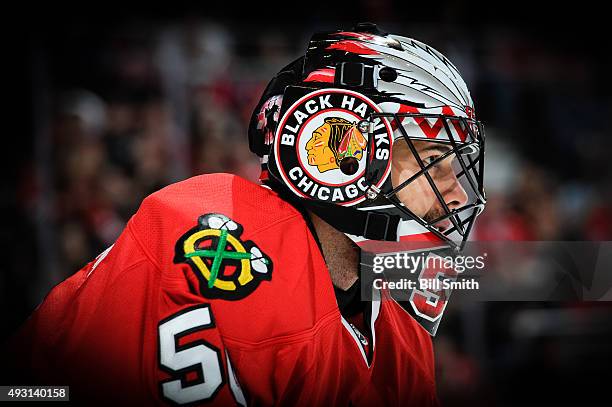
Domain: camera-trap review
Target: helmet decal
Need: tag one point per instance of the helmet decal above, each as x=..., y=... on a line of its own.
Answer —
x=321, y=75
x=431, y=128
x=268, y=117
x=354, y=47
x=321, y=153
x=337, y=143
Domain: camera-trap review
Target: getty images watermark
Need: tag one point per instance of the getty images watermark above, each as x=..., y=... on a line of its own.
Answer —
x=435, y=272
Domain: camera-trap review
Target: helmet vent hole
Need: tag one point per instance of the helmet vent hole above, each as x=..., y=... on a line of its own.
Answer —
x=387, y=74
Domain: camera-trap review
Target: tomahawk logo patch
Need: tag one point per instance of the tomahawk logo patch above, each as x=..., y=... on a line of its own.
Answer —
x=322, y=150
x=226, y=266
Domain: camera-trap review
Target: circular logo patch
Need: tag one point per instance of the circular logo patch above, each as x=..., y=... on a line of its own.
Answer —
x=322, y=154
x=227, y=266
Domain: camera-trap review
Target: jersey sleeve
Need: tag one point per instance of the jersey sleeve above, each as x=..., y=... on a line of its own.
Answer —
x=76, y=323
x=112, y=334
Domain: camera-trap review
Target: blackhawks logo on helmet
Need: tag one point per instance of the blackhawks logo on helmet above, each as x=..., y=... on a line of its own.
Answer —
x=322, y=151
x=226, y=266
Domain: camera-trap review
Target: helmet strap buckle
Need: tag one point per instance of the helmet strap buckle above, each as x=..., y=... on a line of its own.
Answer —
x=372, y=192
x=378, y=228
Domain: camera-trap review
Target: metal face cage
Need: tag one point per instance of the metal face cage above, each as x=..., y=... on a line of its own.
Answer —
x=468, y=167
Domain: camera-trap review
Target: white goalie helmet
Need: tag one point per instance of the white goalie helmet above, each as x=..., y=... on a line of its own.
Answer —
x=329, y=127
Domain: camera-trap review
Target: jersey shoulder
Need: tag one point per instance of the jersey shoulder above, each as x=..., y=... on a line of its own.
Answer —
x=241, y=248
x=223, y=192
x=166, y=214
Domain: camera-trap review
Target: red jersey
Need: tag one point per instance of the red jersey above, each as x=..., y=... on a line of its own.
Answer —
x=217, y=293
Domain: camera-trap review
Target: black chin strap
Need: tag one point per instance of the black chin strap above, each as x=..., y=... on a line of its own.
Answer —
x=371, y=225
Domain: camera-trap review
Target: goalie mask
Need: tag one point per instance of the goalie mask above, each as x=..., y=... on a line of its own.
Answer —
x=376, y=134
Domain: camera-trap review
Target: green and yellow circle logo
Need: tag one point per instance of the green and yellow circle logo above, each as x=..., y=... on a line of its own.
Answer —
x=226, y=266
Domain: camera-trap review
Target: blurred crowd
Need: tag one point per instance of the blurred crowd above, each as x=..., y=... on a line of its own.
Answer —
x=128, y=110
x=166, y=102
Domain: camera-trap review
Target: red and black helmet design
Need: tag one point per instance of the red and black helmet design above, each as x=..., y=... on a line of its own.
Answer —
x=326, y=125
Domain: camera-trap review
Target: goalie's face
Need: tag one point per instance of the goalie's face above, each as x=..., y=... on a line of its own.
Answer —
x=418, y=196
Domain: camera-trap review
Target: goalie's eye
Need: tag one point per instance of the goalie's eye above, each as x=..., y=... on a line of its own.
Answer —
x=430, y=159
